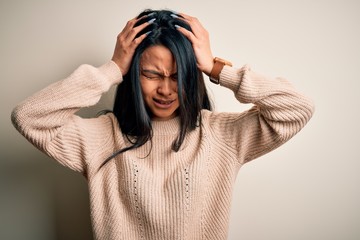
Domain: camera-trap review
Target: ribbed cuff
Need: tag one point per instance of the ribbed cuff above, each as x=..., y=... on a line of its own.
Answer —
x=231, y=77
x=112, y=71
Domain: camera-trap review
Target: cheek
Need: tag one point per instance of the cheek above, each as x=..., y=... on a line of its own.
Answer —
x=174, y=86
x=147, y=89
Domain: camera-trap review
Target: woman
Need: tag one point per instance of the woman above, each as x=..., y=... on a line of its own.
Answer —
x=161, y=165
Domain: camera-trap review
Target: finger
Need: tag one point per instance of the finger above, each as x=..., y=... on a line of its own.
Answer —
x=139, y=39
x=189, y=19
x=186, y=33
x=134, y=31
x=130, y=25
x=194, y=23
x=185, y=16
x=133, y=21
x=195, y=33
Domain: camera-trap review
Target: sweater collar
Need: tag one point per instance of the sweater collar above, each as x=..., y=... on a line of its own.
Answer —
x=171, y=126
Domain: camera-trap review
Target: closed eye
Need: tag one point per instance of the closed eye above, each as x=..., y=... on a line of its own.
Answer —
x=151, y=75
x=174, y=77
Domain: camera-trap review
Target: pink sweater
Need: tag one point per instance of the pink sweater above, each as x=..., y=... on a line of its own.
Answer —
x=167, y=195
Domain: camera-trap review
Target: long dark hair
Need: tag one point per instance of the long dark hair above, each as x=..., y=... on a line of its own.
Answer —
x=129, y=108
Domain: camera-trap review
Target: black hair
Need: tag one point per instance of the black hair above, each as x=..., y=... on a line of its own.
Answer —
x=129, y=107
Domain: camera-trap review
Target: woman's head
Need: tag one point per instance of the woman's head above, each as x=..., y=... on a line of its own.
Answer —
x=158, y=80
x=163, y=81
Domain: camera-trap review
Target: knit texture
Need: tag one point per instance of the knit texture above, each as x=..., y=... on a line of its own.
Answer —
x=161, y=195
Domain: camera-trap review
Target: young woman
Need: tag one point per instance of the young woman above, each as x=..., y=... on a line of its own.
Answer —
x=161, y=165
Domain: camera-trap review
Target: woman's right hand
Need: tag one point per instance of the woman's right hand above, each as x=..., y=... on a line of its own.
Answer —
x=127, y=43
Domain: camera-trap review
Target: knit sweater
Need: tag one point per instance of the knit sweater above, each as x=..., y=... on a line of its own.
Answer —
x=164, y=195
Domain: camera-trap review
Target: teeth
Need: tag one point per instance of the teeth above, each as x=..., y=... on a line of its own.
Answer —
x=163, y=102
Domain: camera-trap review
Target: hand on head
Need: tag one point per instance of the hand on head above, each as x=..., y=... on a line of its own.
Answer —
x=129, y=39
x=199, y=38
x=127, y=43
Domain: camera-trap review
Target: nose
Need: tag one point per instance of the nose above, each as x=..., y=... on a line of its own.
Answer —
x=167, y=86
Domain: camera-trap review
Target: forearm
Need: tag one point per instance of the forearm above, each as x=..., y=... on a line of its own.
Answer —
x=283, y=108
x=279, y=112
x=40, y=117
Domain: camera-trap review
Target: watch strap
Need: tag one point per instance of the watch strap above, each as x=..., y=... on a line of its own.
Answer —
x=217, y=68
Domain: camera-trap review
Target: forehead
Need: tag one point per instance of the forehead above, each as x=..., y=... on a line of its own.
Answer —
x=158, y=58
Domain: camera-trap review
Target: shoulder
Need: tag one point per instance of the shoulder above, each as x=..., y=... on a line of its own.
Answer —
x=105, y=124
x=108, y=122
x=226, y=125
x=213, y=118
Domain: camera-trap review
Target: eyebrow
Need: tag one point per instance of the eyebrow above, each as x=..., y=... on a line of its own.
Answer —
x=151, y=71
x=155, y=72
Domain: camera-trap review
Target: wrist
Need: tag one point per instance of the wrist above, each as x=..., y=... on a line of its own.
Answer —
x=208, y=69
x=218, y=65
x=117, y=62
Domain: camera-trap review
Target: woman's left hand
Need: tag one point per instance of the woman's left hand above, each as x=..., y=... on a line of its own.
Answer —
x=199, y=37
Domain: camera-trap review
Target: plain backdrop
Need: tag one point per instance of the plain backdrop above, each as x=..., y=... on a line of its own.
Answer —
x=307, y=189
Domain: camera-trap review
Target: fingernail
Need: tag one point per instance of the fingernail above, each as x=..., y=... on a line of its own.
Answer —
x=147, y=34
x=174, y=15
x=152, y=20
x=151, y=14
x=177, y=26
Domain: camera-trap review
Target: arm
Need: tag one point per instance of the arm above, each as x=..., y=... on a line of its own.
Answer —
x=47, y=119
x=279, y=112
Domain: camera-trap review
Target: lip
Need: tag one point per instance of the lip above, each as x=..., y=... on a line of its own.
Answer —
x=160, y=103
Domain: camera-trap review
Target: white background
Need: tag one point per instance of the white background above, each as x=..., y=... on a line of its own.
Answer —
x=307, y=189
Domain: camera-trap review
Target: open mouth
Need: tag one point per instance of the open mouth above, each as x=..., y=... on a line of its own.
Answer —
x=163, y=103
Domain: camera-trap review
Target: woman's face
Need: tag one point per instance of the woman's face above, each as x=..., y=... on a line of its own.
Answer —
x=158, y=77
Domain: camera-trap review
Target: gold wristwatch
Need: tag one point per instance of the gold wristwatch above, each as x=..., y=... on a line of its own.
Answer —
x=216, y=70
